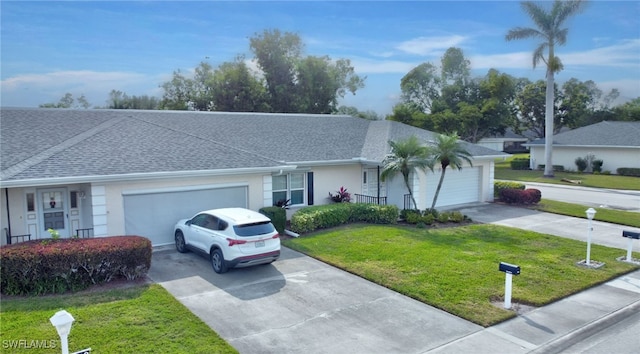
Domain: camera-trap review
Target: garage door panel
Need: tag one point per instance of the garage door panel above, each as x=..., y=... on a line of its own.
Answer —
x=153, y=215
x=459, y=187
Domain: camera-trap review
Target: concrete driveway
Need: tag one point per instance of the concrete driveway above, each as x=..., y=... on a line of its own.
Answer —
x=300, y=305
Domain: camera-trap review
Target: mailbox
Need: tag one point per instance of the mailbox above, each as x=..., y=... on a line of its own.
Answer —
x=631, y=234
x=509, y=268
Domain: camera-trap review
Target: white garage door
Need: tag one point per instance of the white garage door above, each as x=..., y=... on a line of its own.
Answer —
x=459, y=186
x=153, y=214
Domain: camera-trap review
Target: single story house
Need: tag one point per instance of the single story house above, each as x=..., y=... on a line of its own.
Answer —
x=509, y=142
x=616, y=143
x=116, y=172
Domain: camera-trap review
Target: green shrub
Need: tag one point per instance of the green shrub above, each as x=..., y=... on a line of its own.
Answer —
x=56, y=266
x=519, y=164
x=413, y=218
x=427, y=219
x=581, y=164
x=596, y=165
x=277, y=215
x=444, y=217
x=500, y=185
x=628, y=171
x=324, y=216
x=456, y=216
x=434, y=212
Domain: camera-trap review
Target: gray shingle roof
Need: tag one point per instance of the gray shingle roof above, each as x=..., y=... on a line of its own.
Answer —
x=51, y=143
x=613, y=134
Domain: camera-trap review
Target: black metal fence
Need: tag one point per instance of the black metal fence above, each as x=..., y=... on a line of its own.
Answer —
x=369, y=199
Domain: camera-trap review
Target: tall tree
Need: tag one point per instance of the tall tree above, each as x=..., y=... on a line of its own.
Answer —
x=456, y=69
x=549, y=29
x=406, y=157
x=277, y=54
x=448, y=151
x=421, y=86
x=531, y=102
x=237, y=89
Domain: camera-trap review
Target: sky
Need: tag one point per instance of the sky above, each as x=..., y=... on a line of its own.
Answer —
x=89, y=48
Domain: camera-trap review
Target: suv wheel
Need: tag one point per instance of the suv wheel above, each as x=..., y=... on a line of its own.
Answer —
x=180, y=244
x=217, y=261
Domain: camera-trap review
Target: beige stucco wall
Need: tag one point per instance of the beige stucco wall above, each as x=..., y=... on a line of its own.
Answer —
x=114, y=202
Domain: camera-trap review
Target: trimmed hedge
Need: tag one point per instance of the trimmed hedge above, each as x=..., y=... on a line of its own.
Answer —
x=519, y=196
x=519, y=164
x=498, y=186
x=55, y=266
x=628, y=171
x=277, y=215
x=324, y=216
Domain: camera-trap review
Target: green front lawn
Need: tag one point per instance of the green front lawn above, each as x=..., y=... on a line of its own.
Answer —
x=503, y=171
x=141, y=319
x=456, y=269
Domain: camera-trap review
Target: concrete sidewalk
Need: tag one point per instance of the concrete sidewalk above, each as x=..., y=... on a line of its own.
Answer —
x=603, y=233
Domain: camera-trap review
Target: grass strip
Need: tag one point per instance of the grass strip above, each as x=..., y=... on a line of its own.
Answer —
x=456, y=269
x=607, y=215
x=141, y=319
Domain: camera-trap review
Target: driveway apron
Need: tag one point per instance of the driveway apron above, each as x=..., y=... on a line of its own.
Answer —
x=300, y=305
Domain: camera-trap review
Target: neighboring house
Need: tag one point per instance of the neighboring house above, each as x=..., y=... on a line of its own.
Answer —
x=617, y=144
x=117, y=172
x=509, y=142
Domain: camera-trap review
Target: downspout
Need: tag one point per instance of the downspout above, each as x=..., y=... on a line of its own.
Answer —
x=378, y=184
x=6, y=195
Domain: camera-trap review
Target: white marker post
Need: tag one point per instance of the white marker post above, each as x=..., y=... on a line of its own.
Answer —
x=510, y=270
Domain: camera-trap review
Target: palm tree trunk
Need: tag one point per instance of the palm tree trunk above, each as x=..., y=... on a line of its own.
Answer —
x=435, y=197
x=548, y=118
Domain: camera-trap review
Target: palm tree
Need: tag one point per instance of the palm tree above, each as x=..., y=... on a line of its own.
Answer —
x=549, y=30
x=448, y=150
x=406, y=156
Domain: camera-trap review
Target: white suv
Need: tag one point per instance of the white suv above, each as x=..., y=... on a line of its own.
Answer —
x=230, y=237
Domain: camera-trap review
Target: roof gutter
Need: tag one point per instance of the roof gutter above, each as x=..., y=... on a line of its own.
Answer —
x=586, y=146
x=37, y=182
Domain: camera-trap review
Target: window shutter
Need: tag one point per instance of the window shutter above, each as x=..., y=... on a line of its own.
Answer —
x=309, y=188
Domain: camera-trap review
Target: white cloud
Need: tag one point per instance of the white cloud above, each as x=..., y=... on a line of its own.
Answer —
x=31, y=90
x=623, y=54
x=430, y=46
x=370, y=66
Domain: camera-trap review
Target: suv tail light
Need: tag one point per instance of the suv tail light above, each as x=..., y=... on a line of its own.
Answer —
x=233, y=242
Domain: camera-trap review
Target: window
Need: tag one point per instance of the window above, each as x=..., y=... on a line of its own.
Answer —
x=73, y=199
x=31, y=205
x=289, y=187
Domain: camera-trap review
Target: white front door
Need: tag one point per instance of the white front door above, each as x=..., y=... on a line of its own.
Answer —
x=54, y=208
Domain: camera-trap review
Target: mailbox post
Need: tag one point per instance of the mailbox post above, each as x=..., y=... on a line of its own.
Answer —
x=631, y=236
x=509, y=270
x=590, y=214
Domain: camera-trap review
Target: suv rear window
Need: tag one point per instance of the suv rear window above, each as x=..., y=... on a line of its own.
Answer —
x=254, y=229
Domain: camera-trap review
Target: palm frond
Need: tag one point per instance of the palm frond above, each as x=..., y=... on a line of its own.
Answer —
x=539, y=16
x=523, y=33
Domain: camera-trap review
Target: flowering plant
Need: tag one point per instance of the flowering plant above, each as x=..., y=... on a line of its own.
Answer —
x=341, y=196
